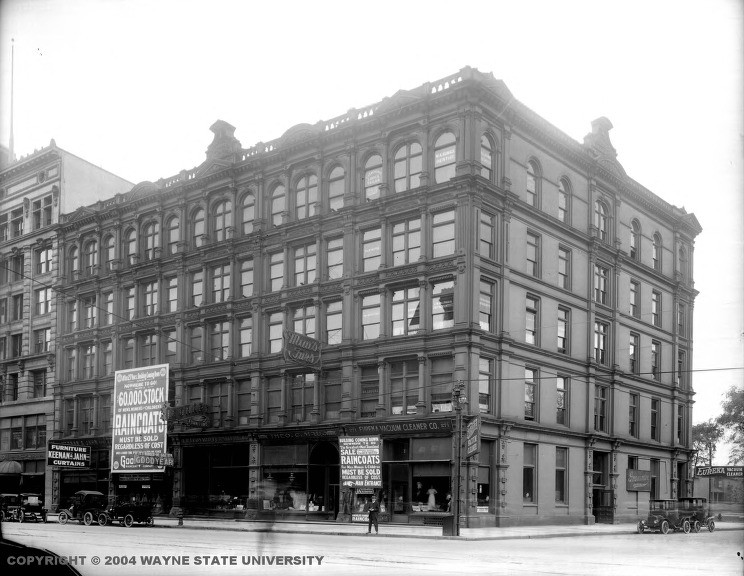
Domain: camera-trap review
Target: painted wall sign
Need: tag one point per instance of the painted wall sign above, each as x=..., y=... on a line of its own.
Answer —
x=361, y=462
x=439, y=425
x=724, y=471
x=638, y=480
x=139, y=435
x=68, y=455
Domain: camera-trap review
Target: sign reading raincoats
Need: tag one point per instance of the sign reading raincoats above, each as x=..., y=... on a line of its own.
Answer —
x=360, y=461
x=139, y=433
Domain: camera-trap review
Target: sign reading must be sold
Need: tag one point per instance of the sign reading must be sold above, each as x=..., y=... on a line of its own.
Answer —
x=139, y=433
x=360, y=461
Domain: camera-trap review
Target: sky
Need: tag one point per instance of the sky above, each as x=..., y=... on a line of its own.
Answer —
x=133, y=86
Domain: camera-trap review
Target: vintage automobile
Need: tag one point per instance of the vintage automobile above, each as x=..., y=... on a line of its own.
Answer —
x=86, y=506
x=9, y=503
x=127, y=514
x=31, y=507
x=665, y=515
x=697, y=511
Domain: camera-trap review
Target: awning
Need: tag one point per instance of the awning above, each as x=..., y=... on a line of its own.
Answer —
x=10, y=467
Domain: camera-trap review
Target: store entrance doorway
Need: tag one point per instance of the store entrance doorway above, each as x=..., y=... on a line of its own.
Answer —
x=323, y=480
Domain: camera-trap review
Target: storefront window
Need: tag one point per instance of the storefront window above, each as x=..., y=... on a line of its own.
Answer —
x=285, y=490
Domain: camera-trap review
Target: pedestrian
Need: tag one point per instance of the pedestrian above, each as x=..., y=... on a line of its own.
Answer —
x=374, y=508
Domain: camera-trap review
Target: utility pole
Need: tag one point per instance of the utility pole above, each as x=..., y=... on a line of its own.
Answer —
x=458, y=399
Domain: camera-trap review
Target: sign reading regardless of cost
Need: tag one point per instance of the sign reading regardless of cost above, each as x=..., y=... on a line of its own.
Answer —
x=68, y=455
x=360, y=461
x=139, y=434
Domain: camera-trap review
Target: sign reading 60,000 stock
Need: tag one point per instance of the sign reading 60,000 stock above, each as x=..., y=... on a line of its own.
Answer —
x=139, y=434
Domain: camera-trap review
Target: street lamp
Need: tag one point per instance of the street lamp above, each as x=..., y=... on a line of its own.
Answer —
x=458, y=399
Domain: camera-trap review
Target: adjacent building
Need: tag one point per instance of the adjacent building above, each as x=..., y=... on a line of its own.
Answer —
x=446, y=237
x=34, y=191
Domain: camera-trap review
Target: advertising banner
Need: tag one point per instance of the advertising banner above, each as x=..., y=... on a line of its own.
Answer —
x=638, y=480
x=139, y=433
x=68, y=455
x=720, y=471
x=361, y=462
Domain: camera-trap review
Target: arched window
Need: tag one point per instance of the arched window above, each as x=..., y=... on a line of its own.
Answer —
x=108, y=253
x=278, y=205
x=336, y=188
x=656, y=253
x=198, y=227
x=600, y=219
x=74, y=259
x=130, y=246
x=635, y=240
x=486, y=158
x=372, y=177
x=91, y=257
x=172, y=234
x=533, y=184
x=444, y=158
x=306, y=196
x=150, y=239
x=249, y=212
x=564, y=201
x=407, y=167
x=222, y=221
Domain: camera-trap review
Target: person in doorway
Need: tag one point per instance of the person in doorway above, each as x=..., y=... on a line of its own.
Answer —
x=420, y=495
x=448, y=503
x=374, y=509
x=432, y=502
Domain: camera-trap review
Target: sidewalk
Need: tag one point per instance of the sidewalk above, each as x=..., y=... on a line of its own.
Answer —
x=408, y=531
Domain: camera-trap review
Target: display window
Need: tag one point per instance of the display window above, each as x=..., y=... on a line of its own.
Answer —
x=285, y=490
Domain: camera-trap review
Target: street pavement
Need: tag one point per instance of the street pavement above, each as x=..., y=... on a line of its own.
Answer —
x=409, y=531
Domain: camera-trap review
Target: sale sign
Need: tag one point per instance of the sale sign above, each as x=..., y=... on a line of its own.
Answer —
x=139, y=433
x=361, y=465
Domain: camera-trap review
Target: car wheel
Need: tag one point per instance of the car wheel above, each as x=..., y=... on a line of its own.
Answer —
x=63, y=517
x=102, y=519
x=150, y=521
x=665, y=527
x=2, y=516
x=88, y=518
x=686, y=526
x=711, y=526
x=641, y=527
x=696, y=526
x=128, y=520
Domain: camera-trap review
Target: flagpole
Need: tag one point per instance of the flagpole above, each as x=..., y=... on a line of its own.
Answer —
x=11, y=150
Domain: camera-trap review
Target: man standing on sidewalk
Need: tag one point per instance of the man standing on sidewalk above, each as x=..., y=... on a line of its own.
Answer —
x=374, y=508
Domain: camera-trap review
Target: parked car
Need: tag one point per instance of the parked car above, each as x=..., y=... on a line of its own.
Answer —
x=663, y=516
x=127, y=514
x=697, y=511
x=31, y=507
x=85, y=506
x=9, y=503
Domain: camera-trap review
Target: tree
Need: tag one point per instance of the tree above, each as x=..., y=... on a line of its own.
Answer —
x=732, y=419
x=705, y=437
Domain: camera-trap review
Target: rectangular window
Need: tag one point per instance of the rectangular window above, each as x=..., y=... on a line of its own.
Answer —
x=406, y=241
x=276, y=328
x=655, y=473
x=148, y=350
x=90, y=311
x=561, y=474
x=531, y=320
x=72, y=315
x=533, y=255
x=681, y=424
x=600, y=408
x=601, y=330
x=219, y=340
x=370, y=391
x=561, y=400
x=335, y=258
x=487, y=246
x=246, y=278
x=18, y=307
x=332, y=395
x=40, y=383
x=171, y=294
x=334, y=322
x=127, y=348
x=485, y=370
x=633, y=348
x=273, y=399
x=443, y=305
x=170, y=345
x=654, y=418
x=485, y=308
x=303, y=320
x=43, y=301
x=276, y=271
x=635, y=290
x=150, y=298
x=601, y=278
x=108, y=308
x=89, y=361
x=246, y=337
x=682, y=368
x=16, y=268
x=85, y=407
x=656, y=360
x=443, y=233
x=305, y=264
x=633, y=404
x=43, y=257
x=371, y=249
x=4, y=308
x=42, y=212
x=105, y=414
x=632, y=462
x=371, y=317
x=405, y=311
x=682, y=320
x=16, y=223
x=302, y=396
x=529, y=474
x=404, y=384
x=129, y=311
x=71, y=361
x=530, y=394
x=196, y=344
x=564, y=323
x=107, y=350
x=441, y=386
x=244, y=401
x=221, y=283
x=656, y=308
x=3, y=348
x=197, y=288
x=564, y=268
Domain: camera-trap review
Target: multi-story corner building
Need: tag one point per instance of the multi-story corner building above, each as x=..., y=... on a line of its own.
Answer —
x=445, y=234
x=34, y=191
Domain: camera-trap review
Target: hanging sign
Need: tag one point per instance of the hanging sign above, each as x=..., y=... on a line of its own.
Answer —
x=472, y=437
x=724, y=471
x=68, y=455
x=301, y=349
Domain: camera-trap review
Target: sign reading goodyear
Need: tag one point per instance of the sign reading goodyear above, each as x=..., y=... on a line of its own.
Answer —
x=301, y=349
